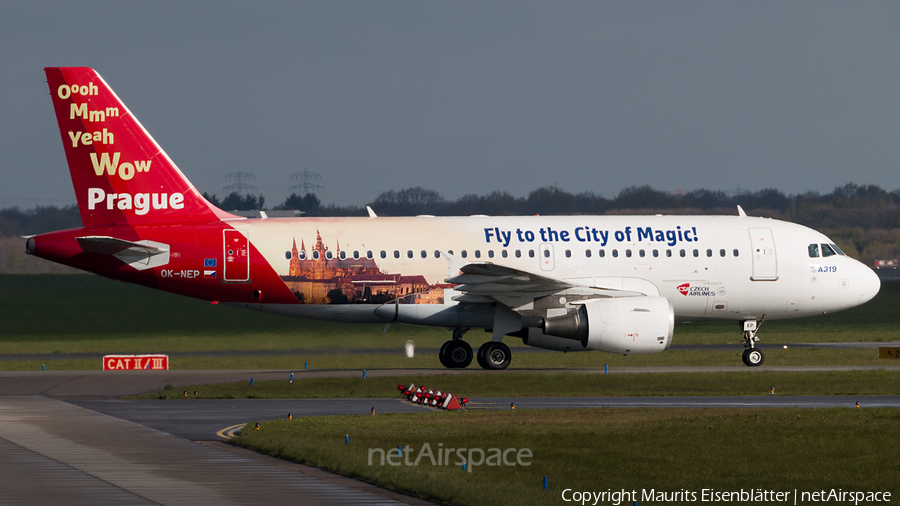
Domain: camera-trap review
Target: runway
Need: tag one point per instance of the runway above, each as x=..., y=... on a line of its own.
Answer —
x=111, y=384
x=201, y=419
x=729, y=346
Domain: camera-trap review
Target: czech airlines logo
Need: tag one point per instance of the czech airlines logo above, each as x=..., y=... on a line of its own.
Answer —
x=695, y=291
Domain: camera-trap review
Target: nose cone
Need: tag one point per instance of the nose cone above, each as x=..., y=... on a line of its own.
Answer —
x=869, y=284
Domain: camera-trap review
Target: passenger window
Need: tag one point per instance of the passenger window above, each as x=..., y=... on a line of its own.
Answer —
x=490, y=253
x=383, y=254
x=615, y=253
x=409, y=253
x=668, y=253
x=813, y=250
x=504, y=253
x=437, y=254
x=424, y=254
x=315, y=255
x=696, y=253
x=288, y=255
x=709, y=252
x=681, y=253
x=302, y=255
x=369, y=254
x=396, y=254
x=827, y=250
x=628, y=253
x=464, y=253
x=735, y=252
x=356, y=255
x=641, y=253
x=602, y=253
x=721, y=252
x=518, y=253
x=568, y=253
x=478, y=253
x=343, y=255
x=329, y=255
x=546, y=253
x=587, y=253
x=655, y=253
x=531, y=253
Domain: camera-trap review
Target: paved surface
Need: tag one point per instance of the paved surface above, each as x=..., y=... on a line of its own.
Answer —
x=201, y=419
x=735, y=345
x=111, y=384
x=763, y=401
x=58, y=453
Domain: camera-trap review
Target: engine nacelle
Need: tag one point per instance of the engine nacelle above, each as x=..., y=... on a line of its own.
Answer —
x=538, y=339
x=617, y=325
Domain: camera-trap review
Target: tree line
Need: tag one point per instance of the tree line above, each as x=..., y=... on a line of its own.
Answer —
x=863, y=219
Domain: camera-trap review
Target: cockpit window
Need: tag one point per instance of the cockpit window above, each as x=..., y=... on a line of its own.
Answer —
x=813, y=251
x=839, y=252
x=828, y=251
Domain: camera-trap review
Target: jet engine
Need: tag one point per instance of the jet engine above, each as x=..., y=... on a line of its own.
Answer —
x=617, y=325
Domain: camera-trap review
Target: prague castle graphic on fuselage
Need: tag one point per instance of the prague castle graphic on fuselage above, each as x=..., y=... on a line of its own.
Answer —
x=323, y=277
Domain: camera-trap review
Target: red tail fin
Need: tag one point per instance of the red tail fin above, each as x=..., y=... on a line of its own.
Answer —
x=120, y=173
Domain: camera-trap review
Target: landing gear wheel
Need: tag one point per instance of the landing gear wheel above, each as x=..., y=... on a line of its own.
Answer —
x=496, y=356
x=753, y=357
x=456, y=354
x=480, y=355
x=441, y=354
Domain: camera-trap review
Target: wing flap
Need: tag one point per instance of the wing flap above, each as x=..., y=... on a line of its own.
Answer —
x=487, y=283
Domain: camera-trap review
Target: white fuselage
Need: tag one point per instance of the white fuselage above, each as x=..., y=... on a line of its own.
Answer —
x=713, y=267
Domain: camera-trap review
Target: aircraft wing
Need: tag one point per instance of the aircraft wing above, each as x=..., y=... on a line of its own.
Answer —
x=488, y=283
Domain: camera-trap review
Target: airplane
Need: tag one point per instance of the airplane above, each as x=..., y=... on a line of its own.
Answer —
x=569, y=283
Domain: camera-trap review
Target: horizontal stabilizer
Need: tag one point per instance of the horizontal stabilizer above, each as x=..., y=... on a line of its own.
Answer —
x=111, y=245
x=140, y=255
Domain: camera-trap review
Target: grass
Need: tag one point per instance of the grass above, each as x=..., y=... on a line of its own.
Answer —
x=602, y=450
x=534, y=385
x=91, y=314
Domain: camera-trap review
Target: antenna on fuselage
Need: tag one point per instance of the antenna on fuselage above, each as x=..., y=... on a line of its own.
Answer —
x=741, y=211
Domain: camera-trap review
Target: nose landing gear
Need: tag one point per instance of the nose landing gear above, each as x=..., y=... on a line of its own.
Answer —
x=752, y=355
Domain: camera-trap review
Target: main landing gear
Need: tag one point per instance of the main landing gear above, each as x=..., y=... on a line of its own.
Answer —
x=494, y=356
x=752, y=355
x=457, y=354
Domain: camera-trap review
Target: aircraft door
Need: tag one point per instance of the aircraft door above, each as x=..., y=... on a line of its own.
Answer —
x=546, y=257
x=765, y=263
x=236, y=250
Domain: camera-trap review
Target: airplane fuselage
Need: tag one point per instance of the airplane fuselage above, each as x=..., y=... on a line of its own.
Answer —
x=712, y=267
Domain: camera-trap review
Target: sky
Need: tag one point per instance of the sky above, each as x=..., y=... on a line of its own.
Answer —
x=469, y=97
